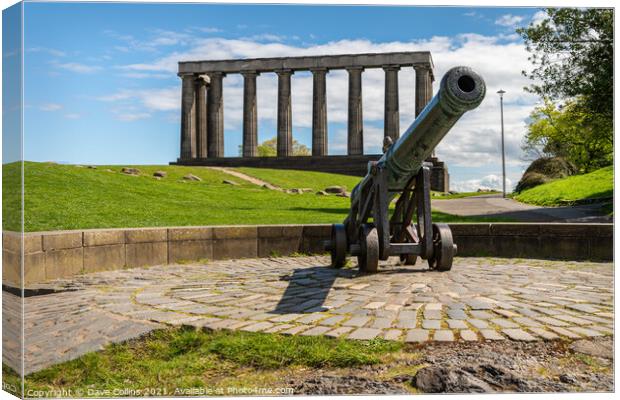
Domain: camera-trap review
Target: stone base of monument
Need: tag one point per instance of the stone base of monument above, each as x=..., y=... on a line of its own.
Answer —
x=440, y=178
x=348, y=165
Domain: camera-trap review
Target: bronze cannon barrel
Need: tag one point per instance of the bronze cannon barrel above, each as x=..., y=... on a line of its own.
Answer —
x=461, y=89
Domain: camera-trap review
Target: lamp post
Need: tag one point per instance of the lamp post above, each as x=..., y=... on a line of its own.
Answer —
x=501, y=107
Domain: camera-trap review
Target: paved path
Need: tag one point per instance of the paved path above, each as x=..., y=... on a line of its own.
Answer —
x=493, y=205
x=480, y=299
x=246, y=177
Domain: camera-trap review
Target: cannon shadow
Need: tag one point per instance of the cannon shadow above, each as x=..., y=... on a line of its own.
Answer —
x=308, y=288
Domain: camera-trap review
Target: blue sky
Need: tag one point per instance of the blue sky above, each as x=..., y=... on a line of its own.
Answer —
x=101, y=84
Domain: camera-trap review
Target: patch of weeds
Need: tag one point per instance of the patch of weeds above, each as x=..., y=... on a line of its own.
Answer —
x=591, y=362
x=299, y=254
x=186, y=357
x=402, y=370
x=543, y=372
x=187, y=261
x=274, y=254
x=274, y=351
x=11, y=381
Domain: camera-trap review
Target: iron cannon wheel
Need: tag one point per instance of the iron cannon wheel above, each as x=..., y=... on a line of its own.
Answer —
x=410, y=259
x=443, y=248
x=368, y=258
x=339, y=245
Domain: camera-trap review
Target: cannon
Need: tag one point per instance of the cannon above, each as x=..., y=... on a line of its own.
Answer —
x=369, y=231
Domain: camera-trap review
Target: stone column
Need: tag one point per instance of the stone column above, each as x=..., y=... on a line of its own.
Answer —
x=201, y=118
x=215, y=116
x=391, y=126
x=355, y=137
x=319, y=112
x=285, y=127
x=250, y=120
x=423, y=88
x=188, y=125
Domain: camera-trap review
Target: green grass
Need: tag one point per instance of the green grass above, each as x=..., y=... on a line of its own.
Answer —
x=290, y=179
x=597, y=184
x=71, y=197
x=186, y=358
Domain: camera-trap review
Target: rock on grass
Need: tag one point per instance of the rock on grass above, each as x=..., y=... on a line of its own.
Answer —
x=130, y=171
x=192, y=177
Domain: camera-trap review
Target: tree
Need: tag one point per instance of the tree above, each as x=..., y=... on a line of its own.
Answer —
x=571, y=133
x=269, y=148
x=572, y=54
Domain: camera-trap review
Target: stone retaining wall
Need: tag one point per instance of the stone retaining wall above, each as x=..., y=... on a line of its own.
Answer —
x=61, y=254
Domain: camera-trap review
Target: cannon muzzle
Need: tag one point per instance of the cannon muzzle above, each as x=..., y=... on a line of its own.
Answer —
x=461, y=89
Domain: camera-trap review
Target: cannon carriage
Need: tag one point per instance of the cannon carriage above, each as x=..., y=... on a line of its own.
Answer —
x=373, y=232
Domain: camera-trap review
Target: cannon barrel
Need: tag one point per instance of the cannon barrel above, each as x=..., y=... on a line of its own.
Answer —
x=461, y=89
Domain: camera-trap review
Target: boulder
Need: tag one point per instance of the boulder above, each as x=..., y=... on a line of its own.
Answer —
x=160, y=174
x=530, y=180
x=335, y=189
x=192, y=177
x=91, y=167
x=130, y=171
x=227, y=182
x=321, y=193
x=294, y=191
x=603, y=349
x=307, y=190
x=543, y=170
x=449, y=380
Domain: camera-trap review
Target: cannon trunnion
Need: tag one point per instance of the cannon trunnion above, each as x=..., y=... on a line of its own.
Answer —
x=370, y=231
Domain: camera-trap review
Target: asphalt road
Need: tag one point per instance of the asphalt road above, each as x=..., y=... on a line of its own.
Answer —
x=493, y=205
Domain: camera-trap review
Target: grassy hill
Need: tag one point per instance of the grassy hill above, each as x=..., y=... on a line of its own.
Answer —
x=597, y=184
x=74, y=197
x=290, y=179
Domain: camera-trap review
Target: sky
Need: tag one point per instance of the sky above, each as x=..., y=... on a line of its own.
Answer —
x=101, y=84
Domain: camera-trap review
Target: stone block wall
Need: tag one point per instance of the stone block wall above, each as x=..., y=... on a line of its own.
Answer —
x=62, y=254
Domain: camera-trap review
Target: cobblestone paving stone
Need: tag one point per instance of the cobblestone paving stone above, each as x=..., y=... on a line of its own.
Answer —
x=479, y=299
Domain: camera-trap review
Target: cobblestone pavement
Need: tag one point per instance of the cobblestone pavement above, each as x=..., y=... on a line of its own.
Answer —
x=480, y=299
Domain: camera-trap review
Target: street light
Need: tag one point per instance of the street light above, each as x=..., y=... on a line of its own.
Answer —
x=501, y=107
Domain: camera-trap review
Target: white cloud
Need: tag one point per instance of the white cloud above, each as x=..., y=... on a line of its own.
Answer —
x=207, y=29
x=52, y=52
x=509, y=20
x=539, y=17
x=145, y=75
x=157, y=38
x=139, y=104
x=265, y=37
x=488, y=182
x=50, y=107
x=78, y=68
x=132, y=116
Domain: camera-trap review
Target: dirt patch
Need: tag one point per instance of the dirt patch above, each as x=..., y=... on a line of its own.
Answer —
x=506, y=366
x=345, y=384
x=247, y=178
